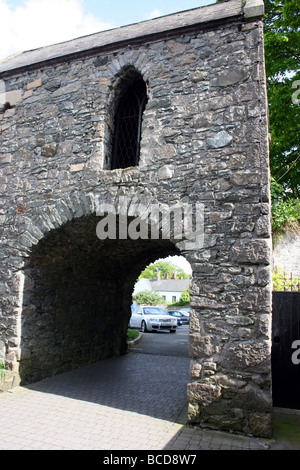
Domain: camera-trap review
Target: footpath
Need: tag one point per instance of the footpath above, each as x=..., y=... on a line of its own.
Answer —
x=122, y=404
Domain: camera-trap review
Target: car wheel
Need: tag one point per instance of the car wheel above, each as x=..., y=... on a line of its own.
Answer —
x=144, y=327
x=172, y=331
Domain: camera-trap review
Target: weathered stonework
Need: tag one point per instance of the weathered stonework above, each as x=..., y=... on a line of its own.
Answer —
x=65, y=294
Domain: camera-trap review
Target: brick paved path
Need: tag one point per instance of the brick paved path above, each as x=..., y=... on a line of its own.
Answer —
x=135, y=402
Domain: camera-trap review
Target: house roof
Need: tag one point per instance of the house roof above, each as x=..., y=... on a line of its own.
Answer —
x=162, y=27
x=169, y=285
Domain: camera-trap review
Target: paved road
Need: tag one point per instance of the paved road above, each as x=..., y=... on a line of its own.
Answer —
x=163, y=343
x=136, y=402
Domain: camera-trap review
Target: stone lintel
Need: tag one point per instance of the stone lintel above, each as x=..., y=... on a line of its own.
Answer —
x=254, y=9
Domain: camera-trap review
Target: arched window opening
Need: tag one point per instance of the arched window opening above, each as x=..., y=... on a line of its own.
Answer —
x=128, y=123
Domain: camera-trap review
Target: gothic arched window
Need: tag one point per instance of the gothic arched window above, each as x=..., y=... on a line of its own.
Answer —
x=128, y=124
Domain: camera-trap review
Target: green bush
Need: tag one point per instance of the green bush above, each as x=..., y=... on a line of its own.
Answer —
x=285, y=214
x=184, y=299
x=283, y=282
x=2, y=369
x=148, y=297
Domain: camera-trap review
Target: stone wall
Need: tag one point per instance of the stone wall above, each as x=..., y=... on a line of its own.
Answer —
x=286, y=252
x=204, y=140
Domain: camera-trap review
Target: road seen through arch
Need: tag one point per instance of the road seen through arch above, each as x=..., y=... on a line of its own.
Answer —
x=163, y=343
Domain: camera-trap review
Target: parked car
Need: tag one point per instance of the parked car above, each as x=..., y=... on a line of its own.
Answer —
x=186, y=318
x=177, y=315
x=185, y=311
x=182, y=319
x=149, y=318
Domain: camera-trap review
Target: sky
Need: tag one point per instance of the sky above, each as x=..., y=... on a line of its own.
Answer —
x=29, y=24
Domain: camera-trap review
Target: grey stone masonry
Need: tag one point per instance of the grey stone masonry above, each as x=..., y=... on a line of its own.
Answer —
x=65, y=292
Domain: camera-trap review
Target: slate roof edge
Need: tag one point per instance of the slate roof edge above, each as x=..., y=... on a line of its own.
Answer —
x=169, y=285
x=150, y=30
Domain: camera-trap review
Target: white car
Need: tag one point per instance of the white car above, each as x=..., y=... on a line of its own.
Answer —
x=148, y=318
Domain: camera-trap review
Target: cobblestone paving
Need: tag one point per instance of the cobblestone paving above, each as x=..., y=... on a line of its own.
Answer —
x=136, y=402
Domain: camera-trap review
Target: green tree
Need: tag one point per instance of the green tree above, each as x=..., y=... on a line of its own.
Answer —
x=150, y=272
x=282, y=53
x=286, y=212
x=283, y=281
x=184, y=299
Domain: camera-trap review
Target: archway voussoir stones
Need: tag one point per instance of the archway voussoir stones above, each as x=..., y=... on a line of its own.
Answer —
x=38, y=222
x=203, y=143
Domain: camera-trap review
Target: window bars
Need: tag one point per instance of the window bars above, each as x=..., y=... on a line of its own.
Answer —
x=128, y=123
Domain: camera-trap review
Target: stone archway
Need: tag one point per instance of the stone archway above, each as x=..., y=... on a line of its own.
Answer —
x=76, y=306
x=77, y=296
x=204, y=140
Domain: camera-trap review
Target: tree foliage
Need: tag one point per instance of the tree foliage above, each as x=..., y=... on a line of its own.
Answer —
x=184, y=299
x=282, y=54
x=283, y=281
x=286, y=212
x=148, y=297
x=150, y=272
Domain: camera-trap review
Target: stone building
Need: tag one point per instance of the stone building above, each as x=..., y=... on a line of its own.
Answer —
x=169, y=289
x=186, y=95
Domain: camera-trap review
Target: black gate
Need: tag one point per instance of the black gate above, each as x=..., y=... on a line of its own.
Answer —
x=286, y=349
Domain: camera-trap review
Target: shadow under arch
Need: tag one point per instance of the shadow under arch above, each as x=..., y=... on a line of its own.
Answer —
x=77, y=296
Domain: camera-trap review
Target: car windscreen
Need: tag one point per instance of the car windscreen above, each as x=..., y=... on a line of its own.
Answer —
x=154, y=311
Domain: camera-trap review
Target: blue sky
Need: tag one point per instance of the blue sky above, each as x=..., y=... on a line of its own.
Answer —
x=28, y=24
x=121, y=12
x=131, y=11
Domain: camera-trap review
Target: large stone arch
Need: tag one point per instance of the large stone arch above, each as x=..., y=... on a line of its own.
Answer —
x=204, y=141
x=75, y=294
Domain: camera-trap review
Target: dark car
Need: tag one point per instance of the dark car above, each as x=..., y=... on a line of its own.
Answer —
x=181, y=318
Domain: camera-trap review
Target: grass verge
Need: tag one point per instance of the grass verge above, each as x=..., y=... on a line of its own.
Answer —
x=132, y=334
